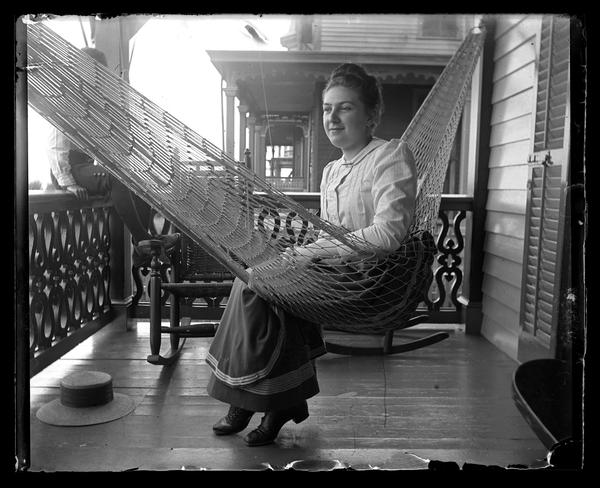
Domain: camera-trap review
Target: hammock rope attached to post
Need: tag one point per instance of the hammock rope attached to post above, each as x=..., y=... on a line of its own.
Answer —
x=231, y=212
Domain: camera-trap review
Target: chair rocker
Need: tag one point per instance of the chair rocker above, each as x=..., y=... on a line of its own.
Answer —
x=204, y=278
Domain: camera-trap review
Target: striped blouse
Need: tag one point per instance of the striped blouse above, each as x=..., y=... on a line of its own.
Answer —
x=373, y=195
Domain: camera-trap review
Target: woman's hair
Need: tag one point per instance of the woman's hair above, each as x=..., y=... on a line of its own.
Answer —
x=354, y=76
x=96, y=54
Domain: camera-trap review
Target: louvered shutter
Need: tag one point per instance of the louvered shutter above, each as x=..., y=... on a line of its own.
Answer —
x=544, y=219
x=539, y=309
x=553, y=73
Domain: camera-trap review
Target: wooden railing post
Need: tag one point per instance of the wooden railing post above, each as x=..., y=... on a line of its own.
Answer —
x=473, y=299
x=452, y=243
x=120, y=279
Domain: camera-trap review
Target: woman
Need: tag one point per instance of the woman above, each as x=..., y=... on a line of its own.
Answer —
x=262, y=358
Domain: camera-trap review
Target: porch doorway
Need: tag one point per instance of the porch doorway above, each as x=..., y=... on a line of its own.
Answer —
x=285, y=155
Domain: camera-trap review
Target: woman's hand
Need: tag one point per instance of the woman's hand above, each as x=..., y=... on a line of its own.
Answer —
x=299, y=256
x=249, y=283
x=79, y=191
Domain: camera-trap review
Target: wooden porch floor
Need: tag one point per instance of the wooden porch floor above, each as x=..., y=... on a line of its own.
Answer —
x=447, y=402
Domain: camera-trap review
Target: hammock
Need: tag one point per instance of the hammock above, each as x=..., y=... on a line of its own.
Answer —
x=231, y=212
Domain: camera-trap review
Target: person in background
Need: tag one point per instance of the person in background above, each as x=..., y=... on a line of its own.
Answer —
x=262, y=358
x=73, y=170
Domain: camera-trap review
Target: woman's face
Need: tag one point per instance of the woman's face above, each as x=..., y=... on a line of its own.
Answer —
x=345, y=120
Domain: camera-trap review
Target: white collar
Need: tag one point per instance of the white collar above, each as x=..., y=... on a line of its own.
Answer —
x=373, y=144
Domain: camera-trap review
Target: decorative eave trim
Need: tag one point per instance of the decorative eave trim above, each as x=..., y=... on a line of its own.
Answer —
x=245, y=66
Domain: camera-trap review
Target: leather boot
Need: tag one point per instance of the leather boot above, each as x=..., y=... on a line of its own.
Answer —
x=272, y=422
x=237, y=419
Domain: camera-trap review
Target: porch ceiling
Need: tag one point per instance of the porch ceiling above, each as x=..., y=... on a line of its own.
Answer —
x=287, y=80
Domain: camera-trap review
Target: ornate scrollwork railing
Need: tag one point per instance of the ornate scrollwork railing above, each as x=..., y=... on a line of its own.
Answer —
x=448, y=272
x=443, y=299
x=69, y=268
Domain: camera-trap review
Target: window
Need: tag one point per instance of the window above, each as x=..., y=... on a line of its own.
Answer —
x=285, y=153
x=280, y=161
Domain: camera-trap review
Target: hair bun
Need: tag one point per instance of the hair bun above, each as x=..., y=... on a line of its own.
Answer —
x=367, y=86
x=350, y=69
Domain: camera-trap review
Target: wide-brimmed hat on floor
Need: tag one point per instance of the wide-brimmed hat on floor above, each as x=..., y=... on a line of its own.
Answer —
x=86, y=398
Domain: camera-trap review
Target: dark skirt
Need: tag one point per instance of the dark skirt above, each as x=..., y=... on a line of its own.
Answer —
x=261, y=356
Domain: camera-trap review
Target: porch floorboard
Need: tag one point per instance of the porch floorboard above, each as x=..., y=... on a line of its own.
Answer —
x=448, y=402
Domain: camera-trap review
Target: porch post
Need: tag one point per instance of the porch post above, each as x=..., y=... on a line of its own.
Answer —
x=243, y=112
x=20, y=268
x=258, y=156
x=251, y=137
x=261, y=164
x=230, y=93
x=120, y=267
x=481, y=149
x=112, y=36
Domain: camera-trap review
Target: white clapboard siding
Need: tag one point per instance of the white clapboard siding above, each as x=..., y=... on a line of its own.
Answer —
x=505, y=23
x=505, y=43
x=518, y=81
x=516, y=129
x=501, y=313
x=515, y=59
x=503, y=269
x=507, y=247
x=501, y=335
x=508, y=201
x=512, y=115
x=512, y=108
x=505, y=223
x=504, y=293
x=508, y=177
x=395, y=34
x=510, y=154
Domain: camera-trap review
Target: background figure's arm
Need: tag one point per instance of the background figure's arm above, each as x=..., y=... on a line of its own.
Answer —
x=58, y=157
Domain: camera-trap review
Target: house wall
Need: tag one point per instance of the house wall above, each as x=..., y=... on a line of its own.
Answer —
x=397, y=34
x=513, y=103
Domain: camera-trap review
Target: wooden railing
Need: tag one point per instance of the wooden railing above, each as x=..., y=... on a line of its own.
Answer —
x=69, y=272
x=444, y=303
x=287, y=184
x=452, y=239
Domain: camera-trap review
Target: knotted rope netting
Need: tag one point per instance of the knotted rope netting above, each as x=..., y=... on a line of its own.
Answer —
x=217, y=202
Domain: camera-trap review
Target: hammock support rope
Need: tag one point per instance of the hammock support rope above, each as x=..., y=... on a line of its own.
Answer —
x=231, y=212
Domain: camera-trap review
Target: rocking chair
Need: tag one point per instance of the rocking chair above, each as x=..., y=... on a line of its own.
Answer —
x=195, y=274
